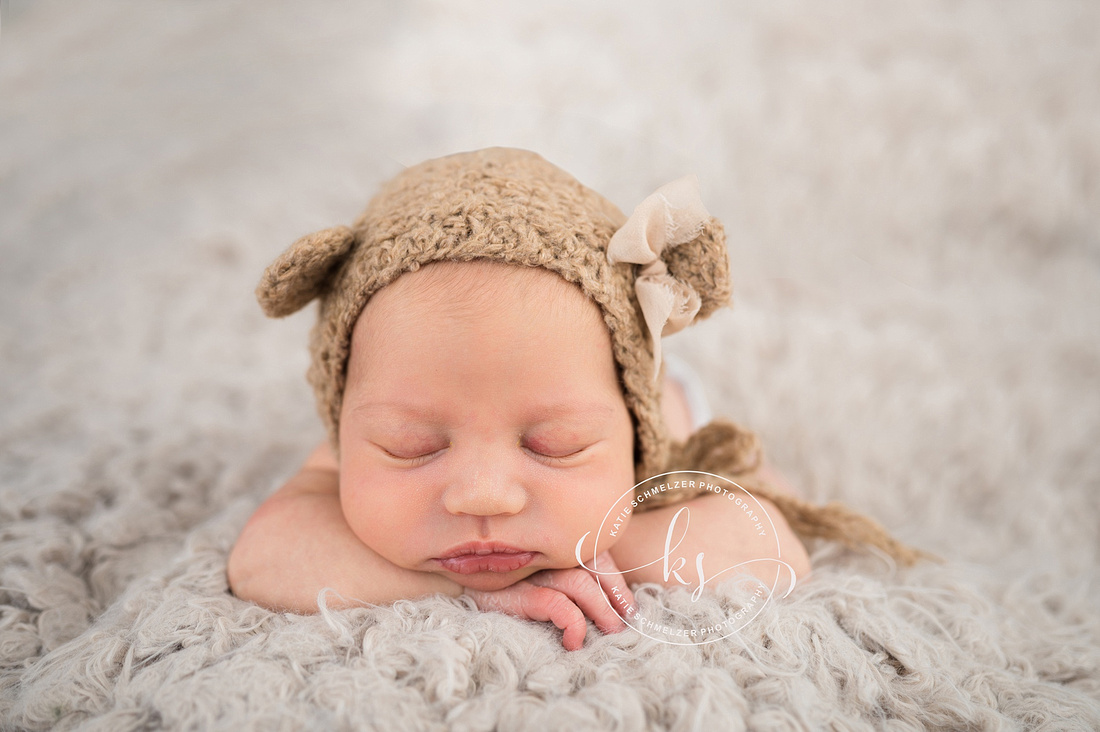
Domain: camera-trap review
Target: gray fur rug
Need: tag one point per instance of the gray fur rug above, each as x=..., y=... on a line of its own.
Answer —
x=912, y=195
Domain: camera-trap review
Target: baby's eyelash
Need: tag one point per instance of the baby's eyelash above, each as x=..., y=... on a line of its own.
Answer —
x=554, y=459
x=416, y=459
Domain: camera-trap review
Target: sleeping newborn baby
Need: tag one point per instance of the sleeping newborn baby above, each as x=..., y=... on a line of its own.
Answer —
x=487, y=362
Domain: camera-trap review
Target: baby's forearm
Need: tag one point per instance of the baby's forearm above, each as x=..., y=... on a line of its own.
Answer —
x=298, y=543
x=722, y=539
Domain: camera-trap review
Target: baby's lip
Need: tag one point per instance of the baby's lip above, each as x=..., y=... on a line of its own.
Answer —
x=483, y=556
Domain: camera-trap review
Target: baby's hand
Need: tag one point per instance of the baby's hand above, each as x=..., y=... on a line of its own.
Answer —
x=565, y=597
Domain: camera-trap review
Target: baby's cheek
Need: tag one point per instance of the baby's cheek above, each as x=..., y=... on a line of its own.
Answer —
x=385, y=517
x=355, y=505
x=603, y=510
x=361, y=496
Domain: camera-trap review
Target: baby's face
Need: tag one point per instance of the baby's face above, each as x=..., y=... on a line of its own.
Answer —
x=483, y=430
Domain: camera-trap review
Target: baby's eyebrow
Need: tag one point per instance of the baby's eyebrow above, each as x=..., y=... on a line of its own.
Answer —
x=405, y=411
x=586, y=411
x=537, y=414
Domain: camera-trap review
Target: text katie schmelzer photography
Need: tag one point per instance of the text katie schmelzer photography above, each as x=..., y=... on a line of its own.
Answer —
x=758, y=580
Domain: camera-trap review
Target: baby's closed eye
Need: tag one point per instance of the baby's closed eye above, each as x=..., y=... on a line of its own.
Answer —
x=409, y=447
x=558, y=448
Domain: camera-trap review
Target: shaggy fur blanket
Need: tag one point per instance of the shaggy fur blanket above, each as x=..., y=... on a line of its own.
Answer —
x=912, y=196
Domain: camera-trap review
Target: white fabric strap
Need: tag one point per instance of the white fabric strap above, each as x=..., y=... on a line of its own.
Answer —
x=673, y=215
x=695, y=394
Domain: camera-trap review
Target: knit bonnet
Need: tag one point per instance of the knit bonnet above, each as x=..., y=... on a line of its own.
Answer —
x=668, y=267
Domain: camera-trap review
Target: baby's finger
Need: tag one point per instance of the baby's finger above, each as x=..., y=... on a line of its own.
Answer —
x=582, y=589
x=542, y=604
x=547, y=604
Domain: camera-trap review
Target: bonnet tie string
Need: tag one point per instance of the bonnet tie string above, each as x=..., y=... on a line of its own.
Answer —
x=672, y=215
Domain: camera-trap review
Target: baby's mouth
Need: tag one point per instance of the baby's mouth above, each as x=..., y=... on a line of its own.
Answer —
x=479, y=556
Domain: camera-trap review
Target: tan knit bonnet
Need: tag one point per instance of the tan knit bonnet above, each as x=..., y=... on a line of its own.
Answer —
x=513, y=206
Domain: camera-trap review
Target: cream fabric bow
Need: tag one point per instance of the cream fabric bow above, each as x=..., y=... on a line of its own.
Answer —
x=672, y=215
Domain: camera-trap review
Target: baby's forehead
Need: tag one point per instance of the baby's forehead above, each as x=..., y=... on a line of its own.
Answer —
x=447, y=287
x=482, y=307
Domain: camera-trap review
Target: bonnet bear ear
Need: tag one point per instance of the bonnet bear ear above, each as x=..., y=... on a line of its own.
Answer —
x=302, y=272
x=704, y=264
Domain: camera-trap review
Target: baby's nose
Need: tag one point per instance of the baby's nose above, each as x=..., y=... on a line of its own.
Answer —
x=485, y=490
